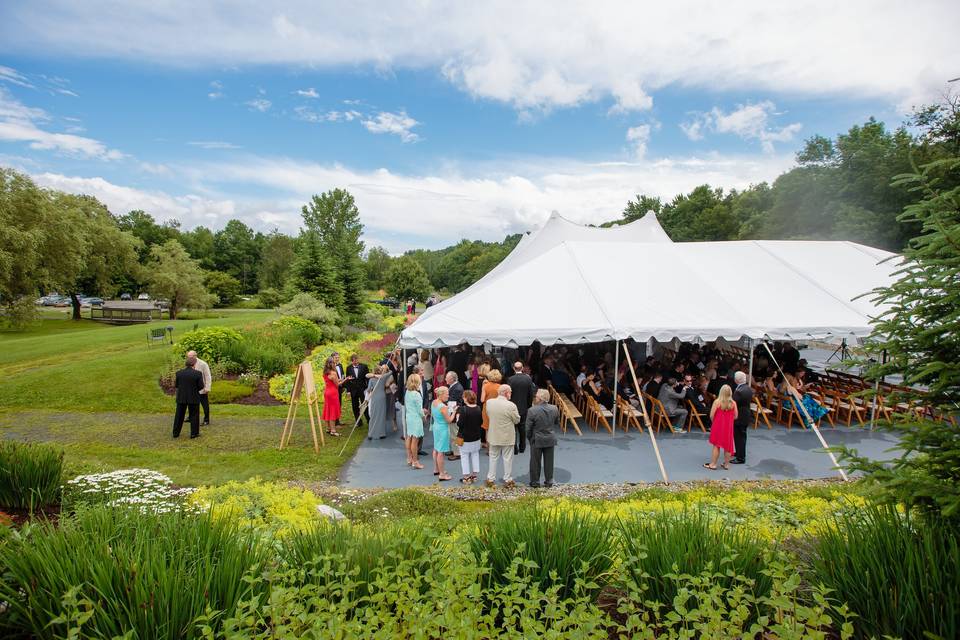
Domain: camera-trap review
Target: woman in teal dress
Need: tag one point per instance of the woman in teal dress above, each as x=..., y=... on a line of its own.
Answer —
x=813, y=408
x=413, y=404
x=442, y=417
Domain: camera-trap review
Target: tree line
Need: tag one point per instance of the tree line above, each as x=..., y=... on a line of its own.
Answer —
x=841, y=188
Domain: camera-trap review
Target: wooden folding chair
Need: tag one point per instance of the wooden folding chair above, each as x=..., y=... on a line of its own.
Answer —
x=568, y=414
x=599, y=413
x=694, y=415
x=628, y=416
x=760, y=412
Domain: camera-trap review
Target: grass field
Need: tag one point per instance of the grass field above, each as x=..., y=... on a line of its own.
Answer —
x=94, y=389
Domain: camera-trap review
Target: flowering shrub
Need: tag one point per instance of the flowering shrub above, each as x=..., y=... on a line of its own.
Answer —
x=772, y=515
x=268, y=506
x=281, y=386
x=210, y=343
x=392, y=324
x=147, y=490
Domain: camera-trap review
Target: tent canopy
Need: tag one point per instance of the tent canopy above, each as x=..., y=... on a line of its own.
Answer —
x=586, y=289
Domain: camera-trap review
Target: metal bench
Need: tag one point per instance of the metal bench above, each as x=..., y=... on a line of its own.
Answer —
x=156, y=335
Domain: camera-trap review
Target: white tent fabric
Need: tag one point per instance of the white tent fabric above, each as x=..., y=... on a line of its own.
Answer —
x=591, y=291
x=557, y=230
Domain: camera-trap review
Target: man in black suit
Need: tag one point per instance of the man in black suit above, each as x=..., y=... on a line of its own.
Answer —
x=457, y=361
x=522, y=391
x=356, y=384
x=743, y=396
x=454, y=387
x=189, y=384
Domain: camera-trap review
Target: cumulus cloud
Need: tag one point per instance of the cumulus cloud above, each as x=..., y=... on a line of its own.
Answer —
x=398, y=124
x=20, y=123
x=748, y=121
x=308, y=93
x=432, y=210
x=537, y=54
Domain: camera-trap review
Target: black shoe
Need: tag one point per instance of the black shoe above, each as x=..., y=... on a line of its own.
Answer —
x=534, y=485
x=381, y=437
x=421, y=453
x=176, y=436
x=738, y=462
x=547, y=484
x=369, y=438
x=196, y=436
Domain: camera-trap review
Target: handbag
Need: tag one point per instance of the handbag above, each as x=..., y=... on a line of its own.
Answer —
x=459, y=441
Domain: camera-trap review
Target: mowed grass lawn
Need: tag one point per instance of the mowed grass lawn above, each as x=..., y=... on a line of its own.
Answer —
x=93, y=388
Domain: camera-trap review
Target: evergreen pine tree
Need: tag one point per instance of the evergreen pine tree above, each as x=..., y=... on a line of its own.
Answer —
x=313, y=272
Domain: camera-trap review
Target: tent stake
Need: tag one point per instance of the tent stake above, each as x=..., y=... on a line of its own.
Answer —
x=799, y=402
x=646, y=417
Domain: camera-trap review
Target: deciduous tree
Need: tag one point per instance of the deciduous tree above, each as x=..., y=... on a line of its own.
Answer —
x=407, y=279
x=174, y=275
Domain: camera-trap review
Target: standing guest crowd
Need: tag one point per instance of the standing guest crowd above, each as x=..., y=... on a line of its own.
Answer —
x=477, y=400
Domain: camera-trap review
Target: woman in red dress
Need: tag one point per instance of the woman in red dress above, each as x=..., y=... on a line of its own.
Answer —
x=331, y=397
x=722, y=414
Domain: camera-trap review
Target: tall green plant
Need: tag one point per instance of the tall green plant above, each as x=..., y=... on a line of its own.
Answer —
x=146, y=573
x=30, y=475
x=901, y=576
x=920, y=332
x=691, y=543
x=558, y=547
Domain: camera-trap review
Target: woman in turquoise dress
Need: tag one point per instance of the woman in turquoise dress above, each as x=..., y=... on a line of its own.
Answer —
x=413, y=404
x=813, y=408
x=442, y=417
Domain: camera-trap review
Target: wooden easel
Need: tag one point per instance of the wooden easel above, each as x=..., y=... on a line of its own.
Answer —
x=303, y=383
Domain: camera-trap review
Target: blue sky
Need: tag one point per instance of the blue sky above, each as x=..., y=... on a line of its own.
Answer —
x=445, y=121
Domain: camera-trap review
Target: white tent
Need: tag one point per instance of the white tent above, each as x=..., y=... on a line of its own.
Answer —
x=598, y=287
x=557, y=230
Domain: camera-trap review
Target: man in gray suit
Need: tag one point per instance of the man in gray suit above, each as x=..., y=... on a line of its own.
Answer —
x=672, y=399
x=521, y=393
x=543, y=419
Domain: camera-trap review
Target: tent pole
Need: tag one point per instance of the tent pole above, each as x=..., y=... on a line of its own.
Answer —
x=750, y=366
x=616, y=379
x=797, y=400
x=646, y=416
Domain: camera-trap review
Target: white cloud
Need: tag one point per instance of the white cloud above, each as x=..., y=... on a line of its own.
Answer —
x=538, y=54
x=66, y=92
x=435, y=210
x=216, y=90
x=20, y=123
x=190, y=209
x=639, y=136
x=13, y=76
x=748, y=121
x=399, y=124
x=213, y=144
x=259, y=104
x=308, y=93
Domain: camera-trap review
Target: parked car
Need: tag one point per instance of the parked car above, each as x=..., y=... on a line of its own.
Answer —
x=91, y=302
x=143, y=296
x=393, y=303
x=126, y=296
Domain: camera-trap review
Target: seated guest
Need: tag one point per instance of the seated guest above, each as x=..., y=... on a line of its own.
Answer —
x=671, y=398
x=810, y=376
x=652, y=387
x=814, y=409
x=696, y=393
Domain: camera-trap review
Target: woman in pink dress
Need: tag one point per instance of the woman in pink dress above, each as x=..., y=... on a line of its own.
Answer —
x=722, y=414
x=331, y=397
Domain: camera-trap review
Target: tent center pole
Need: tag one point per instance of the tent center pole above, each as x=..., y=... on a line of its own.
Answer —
x=616, y=380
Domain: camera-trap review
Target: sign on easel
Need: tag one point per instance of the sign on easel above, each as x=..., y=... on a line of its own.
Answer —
x=304, y=388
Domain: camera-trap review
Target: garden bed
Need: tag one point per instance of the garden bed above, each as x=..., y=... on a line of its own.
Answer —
x=260, y=395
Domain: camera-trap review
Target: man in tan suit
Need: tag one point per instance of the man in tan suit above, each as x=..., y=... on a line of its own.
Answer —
x=501, y=435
